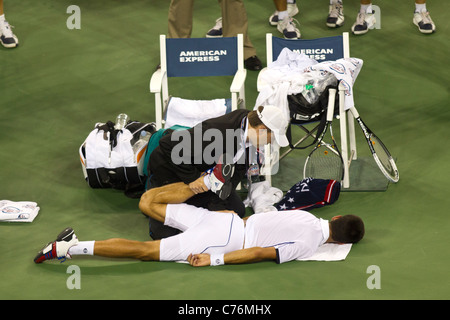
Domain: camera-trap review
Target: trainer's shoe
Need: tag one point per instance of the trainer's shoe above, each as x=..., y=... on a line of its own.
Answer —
x=7, y=37
x=253, y=63
x=220, y=178
x=216, y=31
x=364, y=22
x=288, y=28
x=292, y=10
x=335, y=15
x=423, y=21
x=58, y=249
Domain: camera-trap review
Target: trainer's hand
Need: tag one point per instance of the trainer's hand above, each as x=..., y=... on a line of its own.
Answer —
x=198, y=186
x=199, y=260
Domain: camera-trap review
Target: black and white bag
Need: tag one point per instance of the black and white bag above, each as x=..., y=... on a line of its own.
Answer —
x=112, y=158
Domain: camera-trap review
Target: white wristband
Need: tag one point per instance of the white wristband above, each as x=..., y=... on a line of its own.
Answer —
x=217, y=259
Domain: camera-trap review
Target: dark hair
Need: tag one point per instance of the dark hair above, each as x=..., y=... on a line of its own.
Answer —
x=253, y=118
x=347, y=229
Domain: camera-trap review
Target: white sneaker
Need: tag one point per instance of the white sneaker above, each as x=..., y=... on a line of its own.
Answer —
x=364, y=22
x=288, y=28
x=423, y=21
x=292, y=10
x=216, y=31
x=7, y=37
x=335, y=15
x=58, y=249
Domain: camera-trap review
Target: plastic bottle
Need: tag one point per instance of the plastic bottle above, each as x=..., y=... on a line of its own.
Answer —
x=143, y=140
x=309, y=92
x=121, y=121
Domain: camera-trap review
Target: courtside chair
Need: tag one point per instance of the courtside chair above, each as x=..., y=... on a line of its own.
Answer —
x=199, y=57
x=321, y=49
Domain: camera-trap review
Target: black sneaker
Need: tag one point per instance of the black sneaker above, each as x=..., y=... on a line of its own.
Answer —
x=253, y=64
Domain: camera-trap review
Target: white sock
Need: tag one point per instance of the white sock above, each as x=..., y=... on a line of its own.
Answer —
x=366, y=8
x=421, y=7
x=2, y=18
x=282, y=15
x=82, y=248
x=291, y=1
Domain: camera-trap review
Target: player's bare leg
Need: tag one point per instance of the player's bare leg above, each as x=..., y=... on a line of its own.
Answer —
x=123, y=248
x=153, y=203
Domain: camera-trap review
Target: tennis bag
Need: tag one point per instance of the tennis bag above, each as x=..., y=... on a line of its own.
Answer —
x=301, y=112
x=112, y=158
x=310, y=193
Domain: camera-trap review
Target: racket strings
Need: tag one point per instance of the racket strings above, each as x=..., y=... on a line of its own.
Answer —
x=383, y=154
x=324, y=163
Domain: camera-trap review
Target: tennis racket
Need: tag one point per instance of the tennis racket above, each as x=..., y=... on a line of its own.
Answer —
x=325, y=160
x=379, y=151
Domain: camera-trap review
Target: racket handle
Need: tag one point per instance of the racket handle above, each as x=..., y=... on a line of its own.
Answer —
x=354, y=112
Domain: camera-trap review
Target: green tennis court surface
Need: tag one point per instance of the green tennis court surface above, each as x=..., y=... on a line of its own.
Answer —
x=60, y=82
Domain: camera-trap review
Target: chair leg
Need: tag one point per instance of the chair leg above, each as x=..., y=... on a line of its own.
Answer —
x=343, y=128
x=158, y=110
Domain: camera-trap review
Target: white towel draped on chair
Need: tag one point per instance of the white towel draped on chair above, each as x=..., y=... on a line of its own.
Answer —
x=184, y=112
x=292, y=71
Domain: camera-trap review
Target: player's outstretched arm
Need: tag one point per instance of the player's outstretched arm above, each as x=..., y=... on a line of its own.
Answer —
x=249, y=255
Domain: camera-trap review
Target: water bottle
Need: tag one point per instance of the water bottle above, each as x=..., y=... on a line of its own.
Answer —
x=309, y=92
x=143, y=140
x=121, y=121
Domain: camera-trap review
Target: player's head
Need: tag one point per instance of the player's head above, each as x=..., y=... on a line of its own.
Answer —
x=267, y=125
x=347, y=229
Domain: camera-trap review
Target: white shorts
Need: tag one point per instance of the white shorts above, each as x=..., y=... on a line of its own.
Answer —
x=203, y=231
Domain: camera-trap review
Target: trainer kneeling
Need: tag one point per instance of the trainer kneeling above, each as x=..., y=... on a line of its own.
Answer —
x=213, y=157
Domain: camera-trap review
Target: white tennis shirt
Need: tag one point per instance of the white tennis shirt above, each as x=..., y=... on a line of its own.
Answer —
x=295, y=234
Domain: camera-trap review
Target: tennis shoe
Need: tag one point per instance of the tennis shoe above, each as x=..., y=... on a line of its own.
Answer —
x=423, y=21
x=220, y=178
x=7, y=37
x=58, y=249
x=292, y=10
x=288, y=28
x=335, y=15
x=216, y=31
x=364, y=22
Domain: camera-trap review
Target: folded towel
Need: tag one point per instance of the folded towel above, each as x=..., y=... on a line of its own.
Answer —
x=20, y=211
x=262, y=197
x=330, y=252
x=188, y=113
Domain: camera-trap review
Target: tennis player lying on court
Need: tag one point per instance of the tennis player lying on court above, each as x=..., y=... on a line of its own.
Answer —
x=214, y=238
